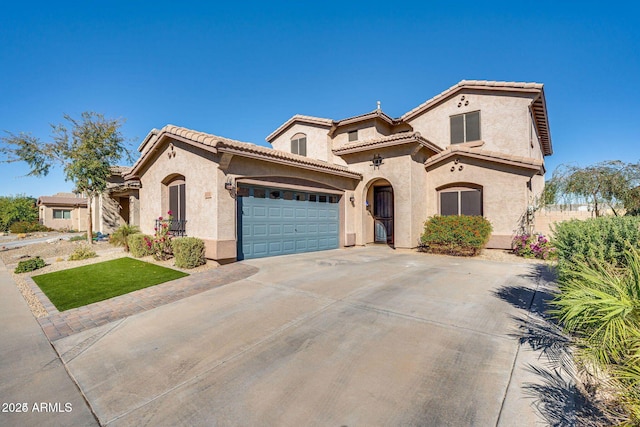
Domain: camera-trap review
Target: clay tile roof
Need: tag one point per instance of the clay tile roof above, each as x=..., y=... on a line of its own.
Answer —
x=494, y=156
x=299, y=118
x=247, y=149
x=387, y=141
x=62, y=201
x=120, y=170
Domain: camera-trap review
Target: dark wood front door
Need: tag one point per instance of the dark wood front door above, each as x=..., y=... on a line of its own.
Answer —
x=383, y=214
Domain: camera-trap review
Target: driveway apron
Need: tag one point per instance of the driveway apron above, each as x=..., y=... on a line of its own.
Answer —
x=361, y=336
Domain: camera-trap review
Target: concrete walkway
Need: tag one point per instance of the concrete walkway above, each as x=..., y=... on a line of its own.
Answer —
x=32, y=377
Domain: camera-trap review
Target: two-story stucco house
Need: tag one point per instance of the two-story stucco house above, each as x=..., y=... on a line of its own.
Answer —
x=477, y=148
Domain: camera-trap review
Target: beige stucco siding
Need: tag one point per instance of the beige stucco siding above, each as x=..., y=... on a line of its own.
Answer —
x=504, y=121
x=405, y=173
x=504, y=190
x=199, y=170
x=317, y=140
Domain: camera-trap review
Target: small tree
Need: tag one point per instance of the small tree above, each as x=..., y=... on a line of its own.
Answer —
x=85, y=148
x=613, y=183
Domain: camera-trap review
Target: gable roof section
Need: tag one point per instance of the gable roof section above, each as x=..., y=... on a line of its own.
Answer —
x=538, y=105
x=299, y=118
x=491, y=156
x=387, y=141
x=217, y=144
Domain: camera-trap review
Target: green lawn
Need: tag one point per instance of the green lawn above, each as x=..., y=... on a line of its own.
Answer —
x=80, y=286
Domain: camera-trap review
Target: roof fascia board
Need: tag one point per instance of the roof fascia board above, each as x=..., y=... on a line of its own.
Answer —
x=429, y=164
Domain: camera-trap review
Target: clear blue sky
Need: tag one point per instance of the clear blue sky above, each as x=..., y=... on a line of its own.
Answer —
x=240, y=69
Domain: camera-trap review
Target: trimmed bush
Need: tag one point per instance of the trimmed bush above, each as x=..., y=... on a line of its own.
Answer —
x=30, y=265
x=140, y=245
x=82, y=252
x=78, y=238
x=188, y=251
x=603, y=239
x=456, y=235
x=27, y=227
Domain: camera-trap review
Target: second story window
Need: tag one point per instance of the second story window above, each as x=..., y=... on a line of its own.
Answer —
x=465, y=127
x=353, y=135
x=299, y=144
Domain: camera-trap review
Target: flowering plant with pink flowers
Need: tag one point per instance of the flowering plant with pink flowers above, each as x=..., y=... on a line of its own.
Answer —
x=161, y=245
x=533, y=246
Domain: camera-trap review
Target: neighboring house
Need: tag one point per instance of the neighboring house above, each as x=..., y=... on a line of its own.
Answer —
x=63, y=211
x=477, y=148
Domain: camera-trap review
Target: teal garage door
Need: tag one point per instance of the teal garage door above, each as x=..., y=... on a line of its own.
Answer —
x=275, y=221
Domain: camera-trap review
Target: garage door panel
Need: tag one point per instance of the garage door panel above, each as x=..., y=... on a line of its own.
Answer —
x=277, y=226
x=288, y=212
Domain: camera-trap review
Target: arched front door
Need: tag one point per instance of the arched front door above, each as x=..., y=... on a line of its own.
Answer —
x=383, y=214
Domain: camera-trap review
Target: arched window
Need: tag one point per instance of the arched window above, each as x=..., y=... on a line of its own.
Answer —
x=299, y=144
x=460, y=200
x=176, y=196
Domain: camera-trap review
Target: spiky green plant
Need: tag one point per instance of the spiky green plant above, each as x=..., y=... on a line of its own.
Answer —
x=600, y=305
x=119, y=237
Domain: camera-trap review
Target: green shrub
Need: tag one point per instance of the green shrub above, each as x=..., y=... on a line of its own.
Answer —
x=121, y=235
x=456, y=235
x=140, y=245
x=27, y=227
x=82, y=252
x=78, y=238
x=30, y=265
x=603, y=239
x=600, y=306
x=188, y=251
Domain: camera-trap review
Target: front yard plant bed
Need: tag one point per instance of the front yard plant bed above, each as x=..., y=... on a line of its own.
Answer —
x=80, y=286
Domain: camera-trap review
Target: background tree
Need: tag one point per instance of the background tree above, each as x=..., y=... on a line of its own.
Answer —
x=611, y=183
x=85, y=148
x=17, y=208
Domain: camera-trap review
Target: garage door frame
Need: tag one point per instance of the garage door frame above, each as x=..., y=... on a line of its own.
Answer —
x=275, y=221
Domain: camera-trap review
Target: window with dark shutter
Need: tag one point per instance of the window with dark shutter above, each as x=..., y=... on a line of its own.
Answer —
x=470, y=202
x=472, y=126
x=353, y=135
x=299, y=144
x=461, y=201
x=449, y=203
x=457, y=129
x=177, y=201
x=465, y=127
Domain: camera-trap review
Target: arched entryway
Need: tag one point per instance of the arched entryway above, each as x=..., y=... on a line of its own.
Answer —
x=380, y=207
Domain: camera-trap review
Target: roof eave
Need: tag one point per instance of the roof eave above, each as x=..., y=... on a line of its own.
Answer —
x=289, y=162
x=533, y=166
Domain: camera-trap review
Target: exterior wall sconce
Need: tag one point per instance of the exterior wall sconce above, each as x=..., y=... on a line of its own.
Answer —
x=376, y=161
x=352, y=199
x=229, y=186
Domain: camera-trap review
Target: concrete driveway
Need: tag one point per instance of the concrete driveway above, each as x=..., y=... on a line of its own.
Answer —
x=350, y=337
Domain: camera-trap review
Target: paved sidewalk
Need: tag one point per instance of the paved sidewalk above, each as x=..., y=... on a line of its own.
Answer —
x=32, y=377
x=62, y=324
